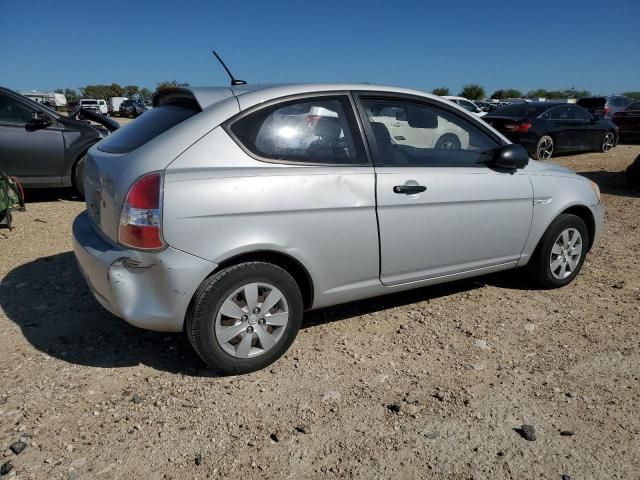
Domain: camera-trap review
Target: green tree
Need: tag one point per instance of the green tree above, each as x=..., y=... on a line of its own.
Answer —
x=633, y=95
x=171, y=83
x=473, y=91
x=71, y=94
x=512, y=93
x=145, y=93
x=506, y=93
x=131, y=90
x=442, y=91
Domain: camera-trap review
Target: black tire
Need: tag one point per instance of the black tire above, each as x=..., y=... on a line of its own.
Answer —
x=77, y=178
x=539, y=267
x=201, y=317
x=542, y=148
x=449, y=141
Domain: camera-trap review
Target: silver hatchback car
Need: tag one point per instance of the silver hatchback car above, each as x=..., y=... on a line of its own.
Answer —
x=228, y=212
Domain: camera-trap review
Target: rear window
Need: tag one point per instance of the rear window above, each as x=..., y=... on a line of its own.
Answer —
x=520, y=110
x=145, y=128
x=592, y=102
x=89, y=102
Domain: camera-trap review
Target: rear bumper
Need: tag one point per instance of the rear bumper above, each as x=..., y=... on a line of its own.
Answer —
x=150, y=290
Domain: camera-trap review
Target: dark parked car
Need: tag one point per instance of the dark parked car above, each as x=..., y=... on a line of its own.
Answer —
x=43, y=148
x=546, y=128
x=604, y=107
x=628, y=122
x=131, y=108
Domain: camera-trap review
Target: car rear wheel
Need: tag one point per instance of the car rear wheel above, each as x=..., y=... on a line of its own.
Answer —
x=449, y=141
x=560, y=253
x=245, y=317
x=544, y=148
x=608, y=142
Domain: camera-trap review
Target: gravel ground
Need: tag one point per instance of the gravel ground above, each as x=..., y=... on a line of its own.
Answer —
x=435, y=383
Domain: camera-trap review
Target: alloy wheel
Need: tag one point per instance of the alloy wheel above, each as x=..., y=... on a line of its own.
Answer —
x=251, y=320
x=545, y=149
x=566, y=253
x=608, y=142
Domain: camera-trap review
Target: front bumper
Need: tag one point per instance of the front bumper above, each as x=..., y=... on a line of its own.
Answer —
x=598, y=216
x=150, y=290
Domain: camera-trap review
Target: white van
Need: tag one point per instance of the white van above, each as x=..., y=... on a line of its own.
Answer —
x=114, y=104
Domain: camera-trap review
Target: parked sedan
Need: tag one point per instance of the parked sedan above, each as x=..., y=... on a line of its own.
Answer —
x=43, y=148
x=547, y=128
x=227, y=212
x=628, y=122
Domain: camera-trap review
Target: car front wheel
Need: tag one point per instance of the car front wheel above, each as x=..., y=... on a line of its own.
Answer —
x=245, y=317
x=560, y=253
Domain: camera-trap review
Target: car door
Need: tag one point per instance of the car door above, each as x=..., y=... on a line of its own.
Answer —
x=443, y=211
x=587, y=133
x=32, y=152
x=564, y=128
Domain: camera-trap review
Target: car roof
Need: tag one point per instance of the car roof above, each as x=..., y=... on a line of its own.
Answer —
x=253, y=94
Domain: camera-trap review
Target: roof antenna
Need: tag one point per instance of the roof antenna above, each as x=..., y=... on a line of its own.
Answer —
x=234, y=81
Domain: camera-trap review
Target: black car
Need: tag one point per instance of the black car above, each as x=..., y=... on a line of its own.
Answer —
x=546, y=128
x=42, y=147
x=604, y=107
x=628, y=122
x=131, y=108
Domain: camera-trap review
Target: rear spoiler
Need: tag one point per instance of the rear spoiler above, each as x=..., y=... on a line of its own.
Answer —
x=196, y=98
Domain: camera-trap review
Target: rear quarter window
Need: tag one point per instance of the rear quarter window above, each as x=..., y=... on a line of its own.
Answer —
x=145, y=128
x=320, y=130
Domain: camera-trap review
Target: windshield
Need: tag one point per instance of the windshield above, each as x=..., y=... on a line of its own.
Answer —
x=592, y=102
x=145, y=128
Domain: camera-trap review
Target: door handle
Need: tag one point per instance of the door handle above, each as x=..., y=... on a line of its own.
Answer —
x=409, y=189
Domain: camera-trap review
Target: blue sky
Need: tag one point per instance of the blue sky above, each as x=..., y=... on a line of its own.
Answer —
x=559, y=44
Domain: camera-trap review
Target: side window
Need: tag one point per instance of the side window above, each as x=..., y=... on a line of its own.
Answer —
x=14, y=111
x=580, y=114
x=428, y=135
x=308, y=130
x=561, y=113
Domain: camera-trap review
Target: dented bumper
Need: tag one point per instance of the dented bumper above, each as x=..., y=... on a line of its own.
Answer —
x=150, y=290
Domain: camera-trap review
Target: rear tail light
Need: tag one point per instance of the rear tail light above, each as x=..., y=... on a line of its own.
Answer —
x=141, y=214
x=606, y=110
x=518, y=127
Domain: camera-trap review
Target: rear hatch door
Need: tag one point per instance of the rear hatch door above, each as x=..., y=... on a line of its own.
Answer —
x=149, y=143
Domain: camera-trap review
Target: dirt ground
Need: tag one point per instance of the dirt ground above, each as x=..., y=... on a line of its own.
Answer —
x=428, y=384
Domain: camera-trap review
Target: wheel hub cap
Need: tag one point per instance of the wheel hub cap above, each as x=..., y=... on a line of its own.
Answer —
x=566, y=253
x=251, y=320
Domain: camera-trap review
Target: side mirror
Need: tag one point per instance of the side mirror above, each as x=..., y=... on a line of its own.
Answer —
x=511, y=156
x=40, y=119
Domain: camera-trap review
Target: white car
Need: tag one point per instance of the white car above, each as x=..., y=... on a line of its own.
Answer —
x=98, y=105
x=466, y=104
x=436, y=132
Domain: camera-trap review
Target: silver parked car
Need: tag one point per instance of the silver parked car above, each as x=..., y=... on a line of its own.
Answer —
x=227, y=212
